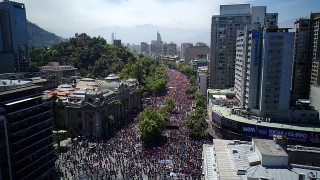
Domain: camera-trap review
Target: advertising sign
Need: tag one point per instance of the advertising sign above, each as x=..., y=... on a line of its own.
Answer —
x=249, y=129
x=292, y=135
x=216, y=118
x=230, y=124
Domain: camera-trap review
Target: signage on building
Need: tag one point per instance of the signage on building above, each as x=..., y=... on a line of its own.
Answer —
x=229, y=123
x=292, y=135
x=249, y=129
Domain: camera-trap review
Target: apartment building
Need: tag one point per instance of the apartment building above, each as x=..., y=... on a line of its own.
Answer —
x=224, y=30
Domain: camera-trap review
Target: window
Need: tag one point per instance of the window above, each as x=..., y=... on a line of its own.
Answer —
x=79, y=115
x=80, y=126
x=276, y=37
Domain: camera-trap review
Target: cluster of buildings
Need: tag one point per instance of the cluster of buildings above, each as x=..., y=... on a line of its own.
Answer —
x=33, y=102
x=263, y=78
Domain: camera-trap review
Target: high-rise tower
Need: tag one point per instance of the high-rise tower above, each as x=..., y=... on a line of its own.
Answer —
x=224, y=30
x=159, y=43
x=14, y=49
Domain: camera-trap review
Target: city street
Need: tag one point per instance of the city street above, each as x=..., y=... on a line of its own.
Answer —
x=175, y=156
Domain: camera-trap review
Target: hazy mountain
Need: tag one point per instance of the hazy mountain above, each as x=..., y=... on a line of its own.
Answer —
x=38, y=37
x=144, y=33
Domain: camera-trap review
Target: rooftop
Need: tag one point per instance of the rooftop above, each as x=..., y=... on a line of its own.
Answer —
x=221, y=91
x=231, y=164
x=269, y=147
x=226, y=112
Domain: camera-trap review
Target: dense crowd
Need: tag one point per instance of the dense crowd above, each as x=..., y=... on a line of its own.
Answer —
x=126, y=157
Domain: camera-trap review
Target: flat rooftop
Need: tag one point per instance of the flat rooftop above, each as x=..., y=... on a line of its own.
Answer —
x=231, y=157
x=221, y=91
x=269, y=147
x=226, y=112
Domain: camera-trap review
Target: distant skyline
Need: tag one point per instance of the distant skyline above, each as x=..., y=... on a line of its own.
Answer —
x=85, y=16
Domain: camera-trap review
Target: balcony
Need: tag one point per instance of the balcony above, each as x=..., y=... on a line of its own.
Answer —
x=16, y=140
x=32, y=125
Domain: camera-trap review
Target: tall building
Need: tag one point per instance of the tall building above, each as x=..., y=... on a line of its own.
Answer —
x=153, y=47
x=196, y=52
x=224, y=29
x=169, y=49
x=263, y=69
x=315, y=74
x=144, y=48
x=184, y=46
x=29, y=129
x=14, y=49
x=304, y=54
x=5, y=169
x=112, y=37
x=159, y=43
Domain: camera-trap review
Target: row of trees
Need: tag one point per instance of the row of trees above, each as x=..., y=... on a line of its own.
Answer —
x=182, y=67
x=195, y=121
x=151, y=123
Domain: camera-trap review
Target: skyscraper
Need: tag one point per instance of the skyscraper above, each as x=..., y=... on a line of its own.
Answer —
x=112, y=38
x=305, y=52
x=224, y=29
x=14, y=49
x=263, y=69
x=159, y=43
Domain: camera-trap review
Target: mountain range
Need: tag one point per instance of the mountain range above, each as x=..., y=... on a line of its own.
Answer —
x=131, y=35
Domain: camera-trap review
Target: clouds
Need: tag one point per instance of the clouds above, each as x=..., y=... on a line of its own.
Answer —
x=75, y=15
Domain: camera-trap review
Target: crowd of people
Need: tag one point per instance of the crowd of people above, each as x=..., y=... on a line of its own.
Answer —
x=175, y=156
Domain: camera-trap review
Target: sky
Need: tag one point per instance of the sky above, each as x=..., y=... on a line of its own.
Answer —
x=81, y=15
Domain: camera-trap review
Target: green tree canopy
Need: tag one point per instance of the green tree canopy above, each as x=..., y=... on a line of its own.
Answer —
x=151, y=124
x=192, y=80
x=170, y=103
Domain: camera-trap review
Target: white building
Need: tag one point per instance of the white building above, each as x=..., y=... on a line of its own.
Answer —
x=61, y=71
x=263, y=70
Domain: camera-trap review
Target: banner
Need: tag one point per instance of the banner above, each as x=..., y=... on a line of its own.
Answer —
x=249, y=129
x=292, y=135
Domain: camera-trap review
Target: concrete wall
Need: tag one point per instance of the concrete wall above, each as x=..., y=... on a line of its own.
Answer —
x=194, y=51
x=315, y=97
x=274, y=161
x=304, y=158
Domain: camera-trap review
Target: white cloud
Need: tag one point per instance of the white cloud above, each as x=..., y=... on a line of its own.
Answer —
x=80, y=15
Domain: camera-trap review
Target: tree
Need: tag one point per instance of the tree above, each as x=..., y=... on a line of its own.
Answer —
x=191, y=90
x=151, y=124
x=192, y=80
x=170, y=103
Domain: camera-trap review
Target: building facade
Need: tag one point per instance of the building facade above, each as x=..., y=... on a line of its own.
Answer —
x=14, y=49
x=5, y=168
x=144, y=48
x=263, y=69
x=304, y=42
x=315, y=73
x=88, y=110
x=183, y=47
x=53, y=68
x=159, y=43
x=224, y=29
x=29, y=130
x=169, y=49
x=196, y=52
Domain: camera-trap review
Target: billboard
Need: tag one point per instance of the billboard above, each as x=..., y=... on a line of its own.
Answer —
x=249, y=129
x=230, y=124
x=292, y=135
